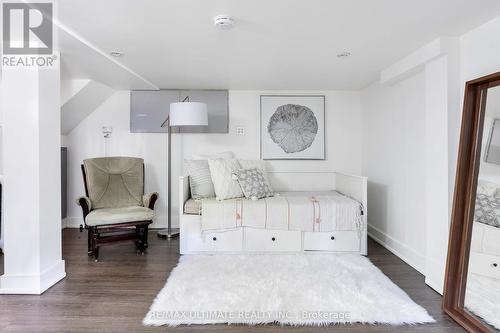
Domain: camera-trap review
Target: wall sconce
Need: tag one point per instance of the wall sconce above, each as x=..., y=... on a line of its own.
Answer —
x=106, y=131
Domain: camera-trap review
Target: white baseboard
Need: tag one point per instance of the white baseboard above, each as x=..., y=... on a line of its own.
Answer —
x=159, y=222
x=65, y=222
x=72, y=222
x=51, y=276
x=34, y=284
x=407, y=254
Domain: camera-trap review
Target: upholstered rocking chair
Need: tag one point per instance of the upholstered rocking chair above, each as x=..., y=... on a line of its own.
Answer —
x=115, y=207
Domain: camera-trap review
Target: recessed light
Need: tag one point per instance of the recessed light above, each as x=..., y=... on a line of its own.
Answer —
x=223, y=22
x=116, y=54
x=344, y=55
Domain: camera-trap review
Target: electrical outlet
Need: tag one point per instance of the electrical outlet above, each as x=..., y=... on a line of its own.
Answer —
x=240, y=131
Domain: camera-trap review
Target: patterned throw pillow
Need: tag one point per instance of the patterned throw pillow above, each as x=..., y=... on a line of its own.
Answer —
x=253, y=183
x=225, y=186
x=200, y=180
x=487, y=210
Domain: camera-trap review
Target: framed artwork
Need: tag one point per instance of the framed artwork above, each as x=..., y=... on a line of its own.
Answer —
x=292, y=127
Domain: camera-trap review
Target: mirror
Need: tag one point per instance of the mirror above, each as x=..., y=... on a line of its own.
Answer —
x=472, y=285
x=482, y=293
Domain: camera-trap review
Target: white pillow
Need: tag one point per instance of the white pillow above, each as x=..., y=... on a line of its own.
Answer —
x=200, y=181
x=224, y=155
x=225, y=186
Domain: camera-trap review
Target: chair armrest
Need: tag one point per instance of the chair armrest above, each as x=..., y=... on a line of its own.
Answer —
x=149, y=200
x=86, y=205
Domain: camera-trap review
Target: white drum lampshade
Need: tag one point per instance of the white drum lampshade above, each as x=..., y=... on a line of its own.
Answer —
x=188, y=114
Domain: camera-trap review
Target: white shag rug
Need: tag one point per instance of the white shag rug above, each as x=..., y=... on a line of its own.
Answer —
x=482, y=298
x=297, y=289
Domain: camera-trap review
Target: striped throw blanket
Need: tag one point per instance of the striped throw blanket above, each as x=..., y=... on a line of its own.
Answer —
x=299, y=211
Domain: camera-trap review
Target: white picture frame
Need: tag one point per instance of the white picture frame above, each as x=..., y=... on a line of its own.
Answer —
x=292, y=127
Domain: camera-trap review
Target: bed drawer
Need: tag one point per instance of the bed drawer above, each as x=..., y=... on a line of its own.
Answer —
x=484, y=264
x=261, y=240
x=228, y=241
x=341, y=241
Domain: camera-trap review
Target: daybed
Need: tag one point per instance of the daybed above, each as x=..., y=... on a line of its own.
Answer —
x=312, y=212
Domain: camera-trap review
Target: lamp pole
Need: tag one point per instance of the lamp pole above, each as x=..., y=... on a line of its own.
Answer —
x=182, y=113
x=168, y=233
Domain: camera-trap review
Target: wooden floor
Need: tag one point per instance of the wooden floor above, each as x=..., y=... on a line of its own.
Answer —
x=115, y=294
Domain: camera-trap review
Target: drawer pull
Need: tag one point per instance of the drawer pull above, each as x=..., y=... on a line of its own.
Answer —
x=495, y=264
x=214, y=239
x=332, y=238
x=273, y=239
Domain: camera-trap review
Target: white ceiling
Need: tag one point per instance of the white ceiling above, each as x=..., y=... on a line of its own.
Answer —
x=80, y=59
x=275, y=44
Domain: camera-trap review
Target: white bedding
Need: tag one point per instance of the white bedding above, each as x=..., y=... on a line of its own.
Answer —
x=299, y=211
x=481, y=298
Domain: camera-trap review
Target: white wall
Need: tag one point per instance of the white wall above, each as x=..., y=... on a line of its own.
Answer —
x=1, y=149
x=394, y=162
x=343, y=119
x=475, y=54
x=86, y=141
x=480, y=51
x=408, y=156
x=343, y=132
x=83, y=101
x=32, y=240
x=442, y=115
x=480, y=55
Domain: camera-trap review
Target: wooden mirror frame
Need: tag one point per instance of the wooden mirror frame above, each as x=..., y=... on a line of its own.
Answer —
x=469, y=155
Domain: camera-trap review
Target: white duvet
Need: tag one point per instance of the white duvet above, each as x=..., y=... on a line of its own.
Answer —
x=300, y=211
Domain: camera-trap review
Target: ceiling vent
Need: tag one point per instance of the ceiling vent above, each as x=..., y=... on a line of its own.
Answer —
x=116, y=54
x=223, y=22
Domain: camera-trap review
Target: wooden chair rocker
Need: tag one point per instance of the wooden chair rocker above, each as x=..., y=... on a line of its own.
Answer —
x=115, y=208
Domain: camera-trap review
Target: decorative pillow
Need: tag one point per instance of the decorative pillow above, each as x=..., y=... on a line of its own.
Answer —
x=224, y=155
x=224, y=184
x=200, y=180
x=253, y=183
x=259, y=164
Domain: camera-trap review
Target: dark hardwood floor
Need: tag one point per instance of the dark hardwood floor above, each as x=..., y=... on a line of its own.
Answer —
x=115, y=294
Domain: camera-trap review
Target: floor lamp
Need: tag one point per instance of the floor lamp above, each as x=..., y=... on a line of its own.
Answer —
x=181, y=114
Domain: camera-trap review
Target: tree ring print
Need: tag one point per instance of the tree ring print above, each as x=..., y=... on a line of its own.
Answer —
x=293, y=127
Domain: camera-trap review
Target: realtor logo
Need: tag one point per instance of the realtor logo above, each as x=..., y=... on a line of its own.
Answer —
x=27, y=28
